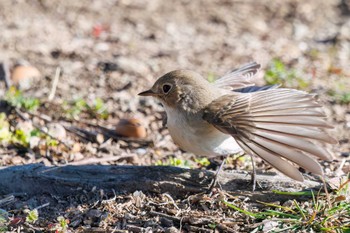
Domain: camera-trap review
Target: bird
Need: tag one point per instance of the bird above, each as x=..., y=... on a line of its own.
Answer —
x=231, y=115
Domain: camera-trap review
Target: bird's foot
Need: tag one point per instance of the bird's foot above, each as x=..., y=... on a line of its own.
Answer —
x=214, y=182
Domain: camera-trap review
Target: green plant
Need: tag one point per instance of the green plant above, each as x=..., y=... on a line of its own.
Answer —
x=204, y=162
x=61, y=226
x=73, y=109
x=279, y=74
x=20, y=136
x=212, y=225
x=17, y=99
x=340, y=93
x=96, y=109
x=174, y=162
x=32, y=215
x=318, y=216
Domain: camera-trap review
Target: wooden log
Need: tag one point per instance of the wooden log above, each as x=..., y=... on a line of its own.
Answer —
x=37, y=179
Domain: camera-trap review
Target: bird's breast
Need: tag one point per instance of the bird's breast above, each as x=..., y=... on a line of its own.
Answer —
x=191, y=133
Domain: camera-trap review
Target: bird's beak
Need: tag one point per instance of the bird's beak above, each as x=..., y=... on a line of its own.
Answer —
x=149, y=92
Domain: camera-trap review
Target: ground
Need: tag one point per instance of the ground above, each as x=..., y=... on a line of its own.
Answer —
x=105, y=52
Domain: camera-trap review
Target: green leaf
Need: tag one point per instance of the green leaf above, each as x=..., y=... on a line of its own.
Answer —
x=63, y=222
x=21, y=137
x=251, y=214
x=301, y=193
x=202, y=161
x=32, y=216
x=16, y=99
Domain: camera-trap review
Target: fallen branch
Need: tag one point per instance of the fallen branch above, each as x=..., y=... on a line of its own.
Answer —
x=37, y=179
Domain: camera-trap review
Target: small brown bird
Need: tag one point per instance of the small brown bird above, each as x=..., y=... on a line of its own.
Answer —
x=230, y=115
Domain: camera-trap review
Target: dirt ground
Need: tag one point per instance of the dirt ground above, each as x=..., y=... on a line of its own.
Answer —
x=112, y=50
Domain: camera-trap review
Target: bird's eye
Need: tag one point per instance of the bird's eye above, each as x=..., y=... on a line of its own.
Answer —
x=166, y=88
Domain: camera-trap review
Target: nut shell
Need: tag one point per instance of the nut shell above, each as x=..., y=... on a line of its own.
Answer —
x=130, y=128
x=24, y=76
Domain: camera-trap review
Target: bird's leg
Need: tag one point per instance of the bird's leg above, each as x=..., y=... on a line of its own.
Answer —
x=253, y=179
x=214, y=181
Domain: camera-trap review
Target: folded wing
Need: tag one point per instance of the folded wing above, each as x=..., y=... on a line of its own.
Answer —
x=279, y=125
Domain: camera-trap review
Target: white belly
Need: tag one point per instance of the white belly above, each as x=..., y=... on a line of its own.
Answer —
x=199, y=137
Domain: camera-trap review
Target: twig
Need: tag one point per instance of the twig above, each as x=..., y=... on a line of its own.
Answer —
x=36, y=229
x=326, y=191
x=54, y=84
x=224, y=228
x=83, y=134
x=7, y=200
x=175, y=219
x=43, y=205
x=172, y=200
x=191, y=228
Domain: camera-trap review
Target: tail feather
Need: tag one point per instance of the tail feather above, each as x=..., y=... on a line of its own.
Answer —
x=279, y=125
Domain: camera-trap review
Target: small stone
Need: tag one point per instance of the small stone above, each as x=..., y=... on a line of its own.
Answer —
x=141, y=151
x=78, y=156
x=57, y=131
x=76, y=148
x=100, y=138
x=288, y=203
x=34, y=142
x=171, y=230
x=25, y=126
x=17, y=160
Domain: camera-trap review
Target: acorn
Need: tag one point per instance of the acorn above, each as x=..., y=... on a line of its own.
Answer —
x=130, y=128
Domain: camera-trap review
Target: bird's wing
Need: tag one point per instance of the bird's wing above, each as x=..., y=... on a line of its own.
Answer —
x=238, y=78
x=279, y=125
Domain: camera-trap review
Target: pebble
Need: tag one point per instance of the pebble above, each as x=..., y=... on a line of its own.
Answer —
x=57, y=131
x=171, y=230
x=17, y=160
x=78, y=156
x=141, y=151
